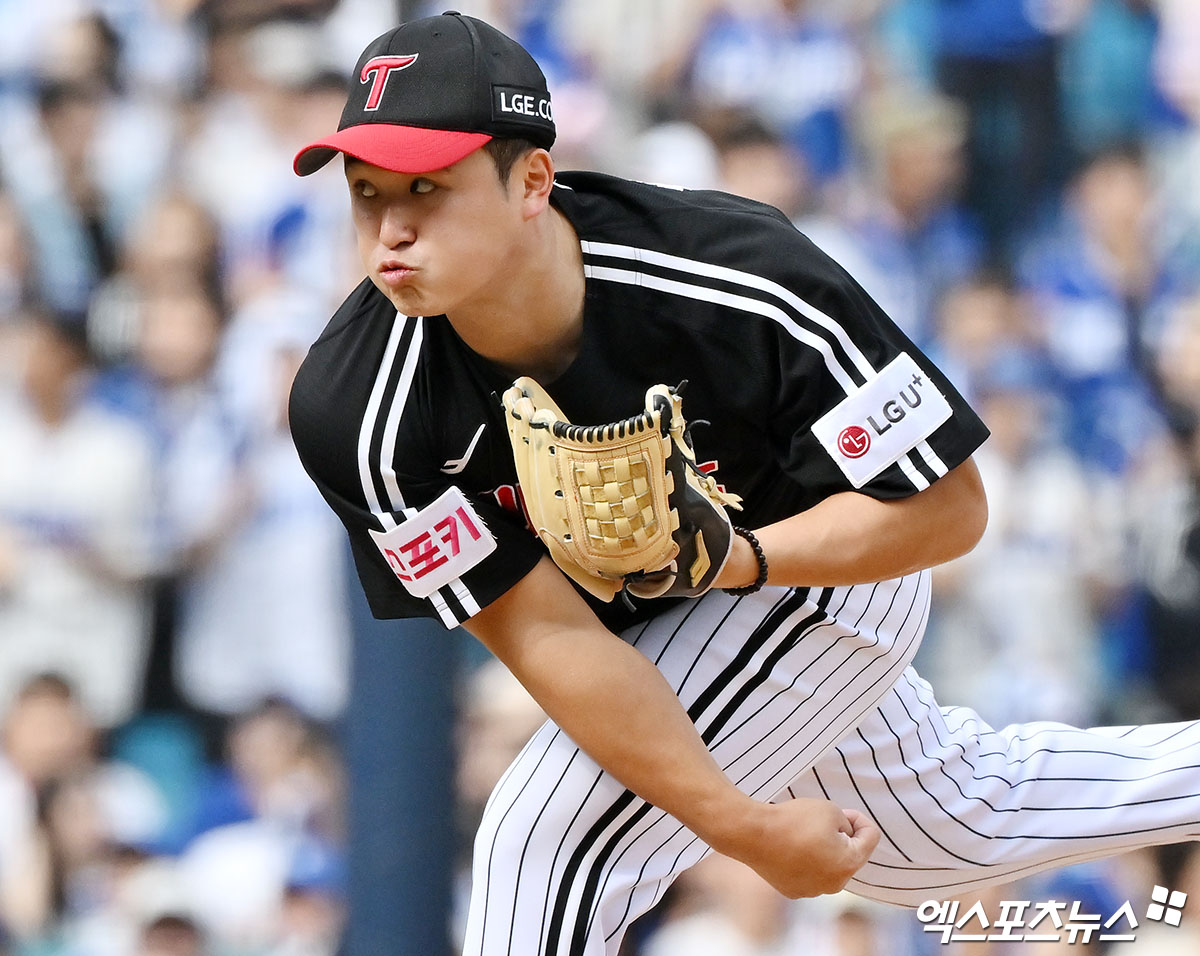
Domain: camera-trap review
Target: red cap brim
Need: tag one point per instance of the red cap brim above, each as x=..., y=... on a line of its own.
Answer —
x=402, y=149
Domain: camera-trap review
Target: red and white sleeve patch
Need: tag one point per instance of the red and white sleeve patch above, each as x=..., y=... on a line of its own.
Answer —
x=885, y=419
x=437, y=545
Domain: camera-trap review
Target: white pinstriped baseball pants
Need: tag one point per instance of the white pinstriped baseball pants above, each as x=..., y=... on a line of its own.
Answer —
x=809, y=693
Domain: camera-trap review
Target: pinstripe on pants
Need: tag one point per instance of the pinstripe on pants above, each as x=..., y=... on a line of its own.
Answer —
x=816, y=701
x=566, y=857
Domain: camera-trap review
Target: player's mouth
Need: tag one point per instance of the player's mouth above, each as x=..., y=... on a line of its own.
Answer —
x=395, y=274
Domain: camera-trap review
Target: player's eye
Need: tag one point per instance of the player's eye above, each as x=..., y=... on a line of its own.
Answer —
x=365, y=190
x=420, y=187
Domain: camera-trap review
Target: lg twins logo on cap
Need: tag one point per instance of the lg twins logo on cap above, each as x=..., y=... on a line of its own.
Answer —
x=883, y=420
x=377, y=70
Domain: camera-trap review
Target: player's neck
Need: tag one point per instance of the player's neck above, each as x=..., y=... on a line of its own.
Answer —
x=534, y=324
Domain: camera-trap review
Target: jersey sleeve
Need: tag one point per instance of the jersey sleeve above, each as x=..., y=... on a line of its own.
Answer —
x=798, y=352
x=857, y=406
x=446, y=556
x=426, y=542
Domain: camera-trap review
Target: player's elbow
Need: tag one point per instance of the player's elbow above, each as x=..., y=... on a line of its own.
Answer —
x=973, y=524
x=967, y=516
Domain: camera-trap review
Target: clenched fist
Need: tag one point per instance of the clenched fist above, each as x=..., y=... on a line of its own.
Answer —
x=803, y=847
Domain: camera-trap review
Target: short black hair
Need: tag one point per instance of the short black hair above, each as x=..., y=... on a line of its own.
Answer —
x=505, y=151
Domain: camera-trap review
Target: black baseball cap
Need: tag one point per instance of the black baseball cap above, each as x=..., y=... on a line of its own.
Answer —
x=429, y=92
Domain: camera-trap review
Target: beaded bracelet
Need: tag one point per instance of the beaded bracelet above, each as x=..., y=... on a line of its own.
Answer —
x=762, y=564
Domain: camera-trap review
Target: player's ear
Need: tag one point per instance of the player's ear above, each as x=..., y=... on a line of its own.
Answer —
x=535, y=173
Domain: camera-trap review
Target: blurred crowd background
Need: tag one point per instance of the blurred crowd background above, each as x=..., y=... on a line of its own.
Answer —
x=1015, y=181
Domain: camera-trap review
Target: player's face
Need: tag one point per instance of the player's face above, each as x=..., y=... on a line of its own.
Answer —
x=434, y=242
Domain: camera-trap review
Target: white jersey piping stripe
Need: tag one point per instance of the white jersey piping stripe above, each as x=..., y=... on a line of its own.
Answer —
x=748, y=279
x=932, y=458
x=391, y=427
x=920, y=482
x=370, y=416
x=460, y=591
x=464, y=596
x=387, y=469
x=447, y=616
x=730, y=299
x=719, y=297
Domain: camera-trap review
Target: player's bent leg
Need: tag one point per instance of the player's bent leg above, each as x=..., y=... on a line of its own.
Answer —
x=566, y=858
x=963, y=806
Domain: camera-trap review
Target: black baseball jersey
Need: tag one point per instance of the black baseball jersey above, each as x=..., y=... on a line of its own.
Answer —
x=808, y=387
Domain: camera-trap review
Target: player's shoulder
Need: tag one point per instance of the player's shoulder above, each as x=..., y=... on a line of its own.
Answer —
x=334, y=380
x=357, y=328
x=602, y=198
x=702, y=224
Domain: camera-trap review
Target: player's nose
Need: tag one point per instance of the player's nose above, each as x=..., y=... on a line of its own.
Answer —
x=396, y=226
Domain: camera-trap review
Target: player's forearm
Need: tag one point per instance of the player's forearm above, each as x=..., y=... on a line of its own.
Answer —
x=851, y=538
x=620, y=710
x=616, y=705
x=613, y=702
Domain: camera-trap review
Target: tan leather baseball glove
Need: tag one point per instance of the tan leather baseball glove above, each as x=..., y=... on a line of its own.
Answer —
x=622, y=505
